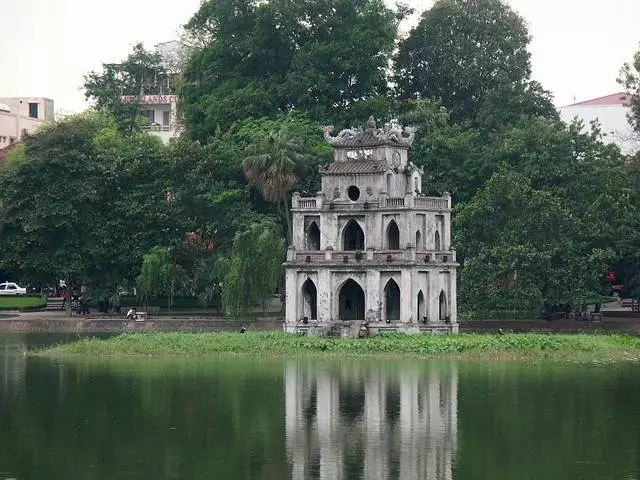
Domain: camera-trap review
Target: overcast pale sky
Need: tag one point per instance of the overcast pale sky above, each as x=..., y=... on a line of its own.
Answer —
x=577, y=49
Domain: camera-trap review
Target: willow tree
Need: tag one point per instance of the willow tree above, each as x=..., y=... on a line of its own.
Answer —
x=254, y=267
x=159, y=273
x=273, y=163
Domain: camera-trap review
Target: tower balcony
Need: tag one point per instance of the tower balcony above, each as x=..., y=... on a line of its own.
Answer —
x=409, y=201
x=373, y=257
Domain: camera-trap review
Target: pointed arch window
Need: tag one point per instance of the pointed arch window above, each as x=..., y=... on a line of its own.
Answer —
x=422, y=314
x=392, y=301
x=351, y=301
x=437, y=240
x=393, y=236
x=313, y=237
x=309, y=300
x=353, y=236
x=443, y=307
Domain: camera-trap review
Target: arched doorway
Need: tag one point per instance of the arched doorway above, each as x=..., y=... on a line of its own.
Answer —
x=392, y=301
x=422, y=314
x=313, y=237
x=393, y=236
x=437, y=240
x=309, y=300
x=353, y=236
x=444, y=314
x=351, y=301
x=418, y=240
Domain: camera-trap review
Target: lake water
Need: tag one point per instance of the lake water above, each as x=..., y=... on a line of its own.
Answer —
x=238, y=418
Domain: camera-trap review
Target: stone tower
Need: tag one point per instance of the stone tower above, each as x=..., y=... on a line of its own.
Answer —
x=370, y=246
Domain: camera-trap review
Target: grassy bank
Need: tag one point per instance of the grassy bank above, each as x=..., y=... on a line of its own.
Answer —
x=516, y=346
x=22, y=302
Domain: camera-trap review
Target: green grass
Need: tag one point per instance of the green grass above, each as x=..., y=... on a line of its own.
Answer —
x=22, y=303
x=509, y=346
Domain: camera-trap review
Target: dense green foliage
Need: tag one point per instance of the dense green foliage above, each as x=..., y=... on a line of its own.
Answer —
x=542, y=209
x=84, y=202
x=254, y=268
x=266, y=343
x=460, y=52
x=257, y=59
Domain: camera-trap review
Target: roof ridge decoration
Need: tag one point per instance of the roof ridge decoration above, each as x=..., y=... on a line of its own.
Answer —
x=391, y=134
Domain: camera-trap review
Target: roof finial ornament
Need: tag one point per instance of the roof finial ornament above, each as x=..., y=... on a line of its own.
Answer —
x=371, y=124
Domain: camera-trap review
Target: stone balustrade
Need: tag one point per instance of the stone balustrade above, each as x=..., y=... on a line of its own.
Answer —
x=376, y=256
x=409, y=201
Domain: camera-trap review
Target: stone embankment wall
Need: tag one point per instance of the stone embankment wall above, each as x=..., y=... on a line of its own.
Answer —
x=21, y=324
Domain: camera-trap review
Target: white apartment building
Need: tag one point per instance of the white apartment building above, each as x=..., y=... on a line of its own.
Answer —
x=611, y=112
x=20, y=116
x=160, y=110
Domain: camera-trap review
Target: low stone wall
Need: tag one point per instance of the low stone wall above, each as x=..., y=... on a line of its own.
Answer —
x=607, y=324
x=111, y=325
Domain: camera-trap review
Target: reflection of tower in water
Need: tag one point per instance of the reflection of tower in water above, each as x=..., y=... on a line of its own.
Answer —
x=371, y=420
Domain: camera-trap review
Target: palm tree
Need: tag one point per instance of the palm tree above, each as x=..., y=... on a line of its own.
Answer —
x=274, y=163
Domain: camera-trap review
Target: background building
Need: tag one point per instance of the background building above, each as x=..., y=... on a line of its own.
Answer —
x=20, y=116
x=611, y=111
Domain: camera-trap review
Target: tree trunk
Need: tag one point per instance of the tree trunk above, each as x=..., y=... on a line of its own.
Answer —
x=68, y=296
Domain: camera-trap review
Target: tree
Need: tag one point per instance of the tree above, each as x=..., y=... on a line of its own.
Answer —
x=547, y=224
x=273, y=163
x=260, y=59
x=629, y=78
x=85, y=201
x=159, y=274
x=460, y=51
x=254, y=268
x=118, y=88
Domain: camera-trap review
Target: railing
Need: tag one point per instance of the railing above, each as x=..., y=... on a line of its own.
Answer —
x=395, y=202
x=157, y=128
x=431, y=202
x=307, y=203
x=310, y=256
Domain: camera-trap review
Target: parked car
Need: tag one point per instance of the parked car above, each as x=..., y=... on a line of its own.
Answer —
x=10, y=288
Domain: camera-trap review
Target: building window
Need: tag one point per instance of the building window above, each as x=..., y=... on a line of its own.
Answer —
x=353, y=192
x=149, y=115
x=313, y=237
x=166, y=118
x=11, y=140
x=33, y=110
x=393, y=236
x=353, y=236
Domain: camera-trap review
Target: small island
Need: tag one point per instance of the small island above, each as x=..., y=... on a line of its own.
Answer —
x=500, y=346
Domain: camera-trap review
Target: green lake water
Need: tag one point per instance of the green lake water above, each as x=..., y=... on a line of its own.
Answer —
x=239, y=418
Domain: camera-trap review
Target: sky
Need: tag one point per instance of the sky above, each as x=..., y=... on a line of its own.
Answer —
x=577, y=47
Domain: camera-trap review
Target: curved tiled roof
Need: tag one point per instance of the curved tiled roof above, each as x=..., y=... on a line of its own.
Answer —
x=366, y=139
x=355, y=167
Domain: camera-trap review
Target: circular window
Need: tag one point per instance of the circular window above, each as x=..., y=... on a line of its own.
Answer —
x=353, y=192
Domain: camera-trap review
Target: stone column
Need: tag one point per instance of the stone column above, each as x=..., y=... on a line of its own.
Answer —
x=373, y=300
x=453, y=296
x=434, y=296
x=291, y=299
x=325, y=296
x=406, y=296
